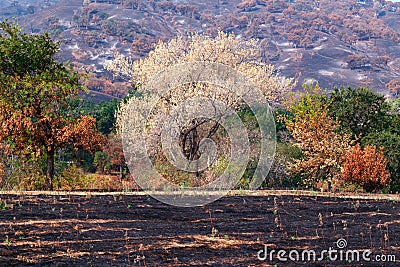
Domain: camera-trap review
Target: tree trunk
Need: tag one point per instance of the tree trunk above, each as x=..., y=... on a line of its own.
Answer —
x=50, y=168
x=120, y=173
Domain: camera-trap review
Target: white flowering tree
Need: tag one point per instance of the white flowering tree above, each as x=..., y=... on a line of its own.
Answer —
x=225, y=50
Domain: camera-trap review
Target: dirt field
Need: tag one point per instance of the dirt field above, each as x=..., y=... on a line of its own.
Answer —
x=136, y=230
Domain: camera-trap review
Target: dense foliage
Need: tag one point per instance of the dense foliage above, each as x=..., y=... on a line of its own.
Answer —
x=330, y=127
x=50, y=134
x=360, y=110
x=367, y=167
x=315, y=134
x=35, y=92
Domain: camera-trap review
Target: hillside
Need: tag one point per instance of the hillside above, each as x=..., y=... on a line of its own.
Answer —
x=334, y=42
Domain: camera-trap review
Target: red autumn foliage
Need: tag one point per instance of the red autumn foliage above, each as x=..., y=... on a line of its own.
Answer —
x=366, y=167
x=83, y=134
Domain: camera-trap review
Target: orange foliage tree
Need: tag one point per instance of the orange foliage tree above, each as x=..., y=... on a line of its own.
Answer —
x=82, y=134
x=366, y=167
x=314, y=133
x=35, y=99
x=115, y=151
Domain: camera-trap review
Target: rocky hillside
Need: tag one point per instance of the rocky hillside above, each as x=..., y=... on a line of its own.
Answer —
x=349, y=42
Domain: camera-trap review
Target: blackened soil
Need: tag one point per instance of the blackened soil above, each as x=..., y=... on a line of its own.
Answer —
x=122, y=230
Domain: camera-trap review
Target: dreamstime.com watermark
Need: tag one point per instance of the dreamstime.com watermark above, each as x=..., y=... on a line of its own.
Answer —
x=340, y=253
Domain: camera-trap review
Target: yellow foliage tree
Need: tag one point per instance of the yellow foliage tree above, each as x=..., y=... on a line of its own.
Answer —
x=314, y=133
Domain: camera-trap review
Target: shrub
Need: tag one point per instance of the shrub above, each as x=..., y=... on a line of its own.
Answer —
x=25, y=174
x=73, y=178
x=366, y=167
x=279, y=175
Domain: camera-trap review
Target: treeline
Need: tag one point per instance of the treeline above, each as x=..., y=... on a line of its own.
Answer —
x=343, y=139
x=346, y=139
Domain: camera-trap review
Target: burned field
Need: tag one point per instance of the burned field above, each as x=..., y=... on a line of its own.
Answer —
x=241, y=230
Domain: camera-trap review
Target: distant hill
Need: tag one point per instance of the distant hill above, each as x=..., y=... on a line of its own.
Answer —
x=345, y=42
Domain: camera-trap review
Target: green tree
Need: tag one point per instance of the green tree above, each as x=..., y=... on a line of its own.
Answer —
x=104, y=112
x=394, y=123
x=360, y=111
x=105, y=116
x=391, y=147
x=35, y=92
